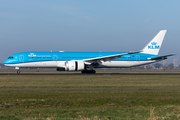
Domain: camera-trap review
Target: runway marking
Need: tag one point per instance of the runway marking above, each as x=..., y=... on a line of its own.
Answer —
x=64, y=89
x=90, y=74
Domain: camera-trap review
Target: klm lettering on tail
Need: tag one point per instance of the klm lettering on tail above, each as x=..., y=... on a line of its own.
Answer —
x=153, y=46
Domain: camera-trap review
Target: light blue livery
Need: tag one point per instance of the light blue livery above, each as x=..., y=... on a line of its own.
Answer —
x=87, y=61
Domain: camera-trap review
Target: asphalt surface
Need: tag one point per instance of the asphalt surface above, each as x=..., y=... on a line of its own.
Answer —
x=63, y=89
x=90, y=74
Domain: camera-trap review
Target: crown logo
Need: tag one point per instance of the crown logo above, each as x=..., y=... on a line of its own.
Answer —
x=32, y=55
x=153, y=43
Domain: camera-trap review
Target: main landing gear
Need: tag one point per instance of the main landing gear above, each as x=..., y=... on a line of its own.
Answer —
x=88, y=72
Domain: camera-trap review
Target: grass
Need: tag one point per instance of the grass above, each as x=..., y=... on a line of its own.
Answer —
x=89, y=98
x=98, y=81
x=101, y=104
x=113, y=113
x=90, y=104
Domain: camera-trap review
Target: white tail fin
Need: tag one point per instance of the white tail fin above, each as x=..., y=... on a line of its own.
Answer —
x=154, y=45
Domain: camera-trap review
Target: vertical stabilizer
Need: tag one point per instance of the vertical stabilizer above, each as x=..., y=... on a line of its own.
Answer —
x=154, y=45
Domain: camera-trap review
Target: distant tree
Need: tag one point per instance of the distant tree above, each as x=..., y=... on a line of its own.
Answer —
x=157, y=65
x=171, y=66
x=148, y=67
x=165, y=67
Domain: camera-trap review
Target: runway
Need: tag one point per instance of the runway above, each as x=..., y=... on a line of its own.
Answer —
x=65, y=89
x=91, y=74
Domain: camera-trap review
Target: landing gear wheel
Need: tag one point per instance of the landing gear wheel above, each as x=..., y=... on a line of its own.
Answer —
x=18, y=72
x=93, y=72
x=88, y=72
x=83, y=72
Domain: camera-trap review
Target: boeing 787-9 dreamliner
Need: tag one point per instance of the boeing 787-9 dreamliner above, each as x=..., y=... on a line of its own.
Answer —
x=87, y=61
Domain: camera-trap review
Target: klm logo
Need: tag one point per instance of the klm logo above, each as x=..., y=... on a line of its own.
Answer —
x=153, y=46
x=32, y=55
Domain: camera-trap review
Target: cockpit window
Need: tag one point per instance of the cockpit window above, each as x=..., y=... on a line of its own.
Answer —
x=10, y=57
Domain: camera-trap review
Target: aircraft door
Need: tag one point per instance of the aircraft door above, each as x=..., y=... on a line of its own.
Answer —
x=21, y=58
x=137, y=58
x=55, y=57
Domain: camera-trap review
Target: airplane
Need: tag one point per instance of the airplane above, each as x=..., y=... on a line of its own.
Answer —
x=86, y=62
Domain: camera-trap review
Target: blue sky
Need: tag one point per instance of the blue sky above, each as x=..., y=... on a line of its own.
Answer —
x=87, y=25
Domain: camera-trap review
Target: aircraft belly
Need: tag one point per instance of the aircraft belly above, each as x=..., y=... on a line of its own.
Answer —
x=123, y=64
x=36, y=64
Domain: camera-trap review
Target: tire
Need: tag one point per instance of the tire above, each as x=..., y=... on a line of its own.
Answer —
x=93, y=72
x=18, y=72
x=88, y=72
x=83, y=72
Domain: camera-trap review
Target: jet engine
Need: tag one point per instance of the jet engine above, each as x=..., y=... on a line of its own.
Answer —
x=74, y=65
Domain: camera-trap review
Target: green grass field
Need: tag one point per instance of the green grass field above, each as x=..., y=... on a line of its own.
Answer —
x=90, y=104
x=89, y=81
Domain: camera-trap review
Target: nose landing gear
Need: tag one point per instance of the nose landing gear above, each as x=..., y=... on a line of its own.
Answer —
x=18, y=72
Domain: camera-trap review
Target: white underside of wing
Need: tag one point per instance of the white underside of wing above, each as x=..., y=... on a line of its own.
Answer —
x=123, y=64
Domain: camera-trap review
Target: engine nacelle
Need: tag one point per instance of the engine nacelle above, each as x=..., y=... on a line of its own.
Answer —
x=74, y=65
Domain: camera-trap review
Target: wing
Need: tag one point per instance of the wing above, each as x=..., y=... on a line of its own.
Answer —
x=161, y=57
x=106, y=58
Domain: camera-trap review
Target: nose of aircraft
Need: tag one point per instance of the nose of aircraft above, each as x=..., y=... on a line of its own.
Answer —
x=11, y=60
x=6, y=61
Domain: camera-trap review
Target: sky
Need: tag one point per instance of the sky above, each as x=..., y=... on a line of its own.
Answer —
x=87, y=25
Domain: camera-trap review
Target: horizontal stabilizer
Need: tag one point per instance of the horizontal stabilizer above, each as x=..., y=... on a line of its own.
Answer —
x=161, y=57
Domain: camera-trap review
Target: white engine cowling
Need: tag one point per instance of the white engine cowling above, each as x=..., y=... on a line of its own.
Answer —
x=74, y=65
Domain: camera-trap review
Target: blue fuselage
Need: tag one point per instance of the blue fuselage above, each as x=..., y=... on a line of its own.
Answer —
x=28, y=57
